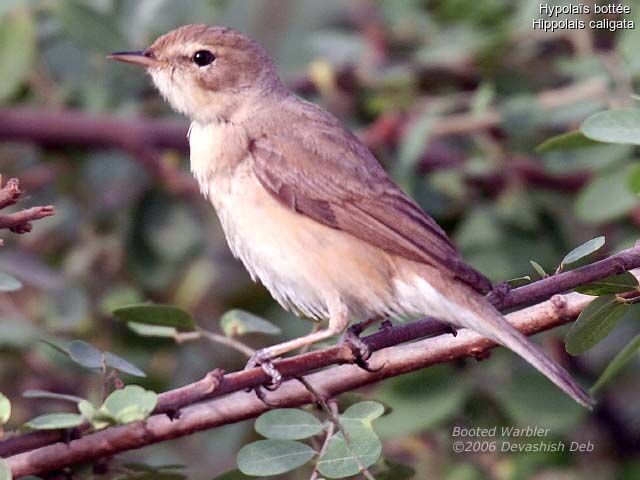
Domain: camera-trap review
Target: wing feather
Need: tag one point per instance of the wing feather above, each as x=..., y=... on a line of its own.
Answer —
x=323, y=171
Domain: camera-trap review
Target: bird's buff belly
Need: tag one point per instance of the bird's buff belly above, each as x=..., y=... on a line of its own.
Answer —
x=309, y=268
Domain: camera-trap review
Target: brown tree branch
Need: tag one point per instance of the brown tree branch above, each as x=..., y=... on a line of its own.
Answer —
x=241, y=405
x=143, y=137
x=541, y=317
x=19, y=222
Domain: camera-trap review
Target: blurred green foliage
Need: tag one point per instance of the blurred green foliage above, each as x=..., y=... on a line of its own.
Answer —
x=394, y=71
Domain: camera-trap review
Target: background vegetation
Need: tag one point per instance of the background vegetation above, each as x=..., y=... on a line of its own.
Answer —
x=453, y=97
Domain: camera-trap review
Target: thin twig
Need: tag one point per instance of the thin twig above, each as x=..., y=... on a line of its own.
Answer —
x=229, y=342
x=182, y=337
x=19, y=222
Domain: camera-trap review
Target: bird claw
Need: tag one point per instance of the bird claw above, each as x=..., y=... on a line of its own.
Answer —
x=262, y=359
x=359, y=347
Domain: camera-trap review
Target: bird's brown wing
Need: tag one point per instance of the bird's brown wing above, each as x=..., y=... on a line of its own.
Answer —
x=323, y=171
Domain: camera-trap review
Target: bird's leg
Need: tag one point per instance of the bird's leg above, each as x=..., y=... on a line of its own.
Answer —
x=352, y=337
x=263, y=357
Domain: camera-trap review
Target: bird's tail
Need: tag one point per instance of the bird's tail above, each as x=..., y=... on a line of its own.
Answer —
x=487, y=321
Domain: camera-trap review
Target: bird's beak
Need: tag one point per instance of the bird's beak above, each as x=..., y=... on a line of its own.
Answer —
x=139, y=57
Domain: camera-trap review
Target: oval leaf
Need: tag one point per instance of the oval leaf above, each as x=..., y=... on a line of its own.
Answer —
x=364, y=411
x=5, y=409
x=130, y=403
x=619, y=361
x=622, y=283
x=539, y=270
x=146, y=330
x=607, y=197
x=273, y=457
x=54, y=421
x=51, y=395
x=238, y=322
x=614, y=126
x=153, y=314
x=5, y=471
x=85, y=354
x=288, y=424
x=9, y=283
x=594, y=323
x=339, y=460
x=583, y=250
x=120, y=364
x=567, y=141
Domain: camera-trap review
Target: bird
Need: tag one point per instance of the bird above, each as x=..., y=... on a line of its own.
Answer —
x=308, y=209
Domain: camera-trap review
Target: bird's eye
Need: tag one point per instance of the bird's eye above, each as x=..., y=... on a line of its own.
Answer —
x=202, y=58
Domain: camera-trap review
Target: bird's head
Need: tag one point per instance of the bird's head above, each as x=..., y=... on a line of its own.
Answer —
x=207, y=72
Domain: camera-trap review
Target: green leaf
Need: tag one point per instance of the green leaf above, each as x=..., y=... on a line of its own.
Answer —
x=341, y=459
x=239, y=322
x=87, y=409
x=56, y=345
x=364, y=412
x=9, y=283
x=594, y=323
x=607, y=197
x=583, y=250
x=130, y=403
x=54, y=421
x=519, y=281
x=539, y=270
x=98, y=418
x=567, y=141
x=51, y=395
x=618, y=362
x=17, y=50
x=122, y=365
x=5, y=471
x=273, y=457
x=287, y=424
x=622, y=283
x=146, y=330
x=85, y=354
x=614, y=126
x=155, y=314
x=5, y=409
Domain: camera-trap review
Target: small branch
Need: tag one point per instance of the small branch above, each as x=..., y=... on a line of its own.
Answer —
x=562, y=282
x=182, y=337
x=330, y=429
x=229, y=342
x=143, y=138
x=19, y=222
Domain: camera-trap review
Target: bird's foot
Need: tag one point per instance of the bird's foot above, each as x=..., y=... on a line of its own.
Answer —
x=263, y=359
x=359, y=347
x=498, y=294
x=386, y=325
